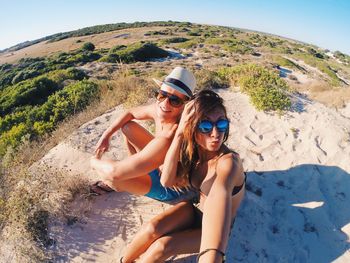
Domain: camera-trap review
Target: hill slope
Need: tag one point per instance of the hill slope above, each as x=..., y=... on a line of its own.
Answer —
x=297, y=199
x=297, y=165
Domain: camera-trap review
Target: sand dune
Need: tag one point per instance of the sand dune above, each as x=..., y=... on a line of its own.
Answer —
x=297, y=204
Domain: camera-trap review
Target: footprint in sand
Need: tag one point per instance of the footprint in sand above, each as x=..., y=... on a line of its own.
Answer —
x=261, y=158
x=253, y=130
x=250, y=140
x=295, y=132
x=317, y=141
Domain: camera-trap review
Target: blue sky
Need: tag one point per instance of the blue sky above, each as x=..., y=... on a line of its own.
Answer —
x=325, y=23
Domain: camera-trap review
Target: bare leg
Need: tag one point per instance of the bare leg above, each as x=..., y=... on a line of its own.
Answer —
x=141, y=163
x=136, y=137
x=183, y=242
x=137, y=186
x=174, y=219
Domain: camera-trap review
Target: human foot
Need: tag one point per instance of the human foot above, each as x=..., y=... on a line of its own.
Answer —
x=100, y=188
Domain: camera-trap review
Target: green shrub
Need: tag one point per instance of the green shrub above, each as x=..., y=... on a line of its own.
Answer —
x=322, y=65
x=194, y=33
x=135, y=52
x=284, y=62
x=159, y=33
x=173, y=40
x=61, y=75
x=188, y=44
x=218, y=41
x=88, y=46
x=111, y=58
x=70, y=100
x=42, y=119
x=207, y=79
x=238, y=48
x=342, y=57
x=13, y=119
x=314, y=53
x=116, y=48
x=29, y=92
x=12, y=137
x=267, y=91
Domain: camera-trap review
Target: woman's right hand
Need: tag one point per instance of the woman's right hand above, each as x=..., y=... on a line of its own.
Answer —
x=102, y=146
x=186, y=115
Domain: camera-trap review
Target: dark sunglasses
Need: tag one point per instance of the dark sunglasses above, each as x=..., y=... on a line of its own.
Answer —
x=174, y=100
x=206, y=126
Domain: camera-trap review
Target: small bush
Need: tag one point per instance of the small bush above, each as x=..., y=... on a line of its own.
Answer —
x=30, y=92
x=238, y=48
x=188, y=44
x=267, y=91
x=173, y=40
x=116, y=48
x=284, y=62
x=207, y=79
x=342, y=57
x=194, y=33
x=322, y=65
x=41, y=119
x=135, y=52
x=88, y=46
x=217, y=41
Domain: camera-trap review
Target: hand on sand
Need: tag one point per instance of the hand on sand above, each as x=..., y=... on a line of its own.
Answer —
x=102, y=146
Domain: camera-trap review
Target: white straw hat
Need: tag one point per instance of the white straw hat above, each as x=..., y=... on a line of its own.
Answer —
x=180, y=79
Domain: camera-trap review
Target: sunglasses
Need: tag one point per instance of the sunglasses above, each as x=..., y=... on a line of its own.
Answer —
x=206, y=126
x=174, y=100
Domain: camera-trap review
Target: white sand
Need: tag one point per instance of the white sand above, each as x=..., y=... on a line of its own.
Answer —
x=297, y=204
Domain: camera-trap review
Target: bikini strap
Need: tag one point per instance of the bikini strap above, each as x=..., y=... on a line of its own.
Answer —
x=210, y=249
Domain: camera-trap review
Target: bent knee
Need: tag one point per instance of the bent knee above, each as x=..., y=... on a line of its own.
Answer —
x=127, y=127
x=154, y=229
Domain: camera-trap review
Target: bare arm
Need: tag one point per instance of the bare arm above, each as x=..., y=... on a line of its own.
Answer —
x=218, y=210
x=171, y=160
x=138, y=113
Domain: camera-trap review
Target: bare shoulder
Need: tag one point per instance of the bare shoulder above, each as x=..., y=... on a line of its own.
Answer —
x=144, y=112
x=230, y=166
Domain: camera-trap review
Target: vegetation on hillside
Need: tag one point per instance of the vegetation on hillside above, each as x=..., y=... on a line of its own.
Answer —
x=36, y=94
x=96, y=30
x=42, y=96
x=134, y=52
x=267, y=91
x=28, y=200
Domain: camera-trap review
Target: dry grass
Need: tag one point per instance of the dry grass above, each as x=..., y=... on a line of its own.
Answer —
x=103, y=40
x=337, y=97
x=326, y=94
x=29, y=199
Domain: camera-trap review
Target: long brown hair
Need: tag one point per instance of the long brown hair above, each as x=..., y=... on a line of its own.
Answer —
x=205, y=102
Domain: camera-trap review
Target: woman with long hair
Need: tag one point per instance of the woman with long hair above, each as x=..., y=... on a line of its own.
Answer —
x=198, y=158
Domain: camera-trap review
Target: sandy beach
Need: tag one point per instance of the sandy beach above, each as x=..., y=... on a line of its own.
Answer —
x=296, y=207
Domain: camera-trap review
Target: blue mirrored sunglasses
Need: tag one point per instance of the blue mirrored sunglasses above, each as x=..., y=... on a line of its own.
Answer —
x=206, y=126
